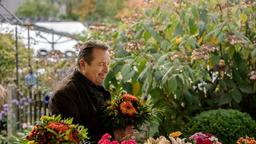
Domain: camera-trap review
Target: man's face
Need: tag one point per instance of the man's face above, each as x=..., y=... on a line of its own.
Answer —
x=97, y=70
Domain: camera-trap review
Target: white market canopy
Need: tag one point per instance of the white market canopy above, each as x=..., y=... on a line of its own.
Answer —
x=47, y=41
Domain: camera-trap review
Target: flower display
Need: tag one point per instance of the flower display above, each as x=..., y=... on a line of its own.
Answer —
x=173, y=139
x=125, y=110
x=197, y=138
x=106, y=139
x=54, y=130
x=204, y=138
x=247, y=140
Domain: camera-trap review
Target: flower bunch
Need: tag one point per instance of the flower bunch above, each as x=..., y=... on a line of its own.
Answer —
x=173, y=139
x=126, y=110
x=53, y=129
x=204, y=138
x=247, y=140
x=106, y=139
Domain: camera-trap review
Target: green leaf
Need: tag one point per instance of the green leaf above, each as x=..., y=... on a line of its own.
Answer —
x=166, y=75
x=139, y=33
x=201, y=27
x=153, y=33
x=253, y=53
x=146, y=35
x=165, y=44
x=125, y=70
x=224, y=99
x=203, y=15
x=172, y=84
x=129, y=75
x=246, y=89
x=144, y=73
x=236, y=95
x=163, y=59
x=178, y=29
x=192, y=26
x=194, y=10
x=243, y=17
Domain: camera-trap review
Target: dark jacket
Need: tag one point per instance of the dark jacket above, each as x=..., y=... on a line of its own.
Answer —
x=79, y=98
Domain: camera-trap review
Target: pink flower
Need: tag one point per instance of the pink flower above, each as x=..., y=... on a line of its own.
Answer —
x=115, y=142
x=128, y=142
x=106, y=136
x=105, y=139
x=204, y=138
x=132, y=142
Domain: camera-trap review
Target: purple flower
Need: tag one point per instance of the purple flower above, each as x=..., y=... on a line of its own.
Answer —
x=15, y=101
x=2, y=115
x=5, y=109
x=5, y=105
x=29, y=100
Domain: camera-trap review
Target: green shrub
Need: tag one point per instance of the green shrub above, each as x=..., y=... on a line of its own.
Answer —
x=226, y=124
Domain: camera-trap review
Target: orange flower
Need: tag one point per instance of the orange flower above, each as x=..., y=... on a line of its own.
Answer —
x=248, y=140
x=126, y=107
x=175, y=134
x=58, y=127
x=129, y=97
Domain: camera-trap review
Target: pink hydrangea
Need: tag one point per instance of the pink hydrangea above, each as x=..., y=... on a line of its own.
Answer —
x=204, y=138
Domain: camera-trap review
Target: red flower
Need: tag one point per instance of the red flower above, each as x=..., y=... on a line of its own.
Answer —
x=129, y=97
x=73, y=136
x=58, y=127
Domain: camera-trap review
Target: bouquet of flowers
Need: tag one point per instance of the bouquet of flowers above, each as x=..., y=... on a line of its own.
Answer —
x=54, y=130
x=247, y=140
x=106, y=139
x=126, y=110
x=204, y=138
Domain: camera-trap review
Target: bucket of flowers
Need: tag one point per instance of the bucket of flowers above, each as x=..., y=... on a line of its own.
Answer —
x=55, y=130
x=126, y=110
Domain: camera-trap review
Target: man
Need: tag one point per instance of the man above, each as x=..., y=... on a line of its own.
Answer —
x=81, y=95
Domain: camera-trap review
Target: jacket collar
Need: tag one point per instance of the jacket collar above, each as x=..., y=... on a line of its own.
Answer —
x=79, y=76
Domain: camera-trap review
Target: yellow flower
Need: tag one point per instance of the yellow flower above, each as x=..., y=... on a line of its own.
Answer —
x=214, y=40
x=32, y=142
x=175, y=134
x=200, y=40
x=178, y=40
